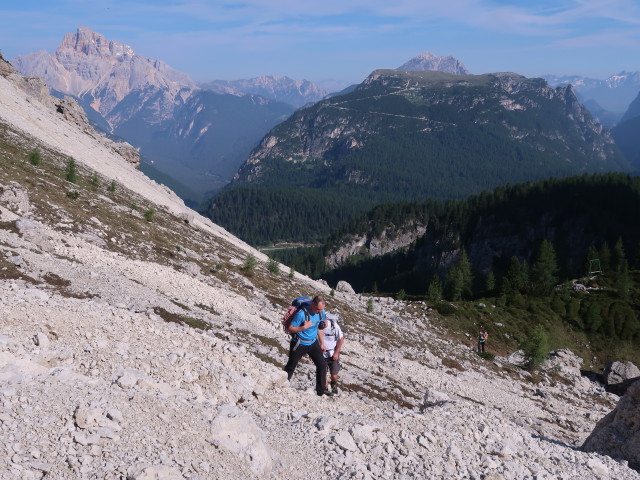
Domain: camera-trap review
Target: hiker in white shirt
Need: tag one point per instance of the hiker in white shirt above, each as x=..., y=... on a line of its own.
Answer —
x=333, y=341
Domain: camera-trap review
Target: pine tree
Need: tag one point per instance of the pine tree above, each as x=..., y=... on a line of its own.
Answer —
x=623, y=281
x=545, y=269
x=490, y=281
x=617, y=255
x=464, y=265
x=34, y=157
x=434, y=292
x=72, y=171
x=605, y=257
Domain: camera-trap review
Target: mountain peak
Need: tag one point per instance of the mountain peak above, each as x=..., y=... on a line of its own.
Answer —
x=86, y=41
x=429, y=61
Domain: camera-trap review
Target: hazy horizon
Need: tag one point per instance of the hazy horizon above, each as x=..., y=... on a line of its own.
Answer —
x=342, y=41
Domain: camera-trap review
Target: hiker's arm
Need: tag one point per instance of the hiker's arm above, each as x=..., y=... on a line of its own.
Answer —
x=321, y=339
x=304, y=326
x=336, y=352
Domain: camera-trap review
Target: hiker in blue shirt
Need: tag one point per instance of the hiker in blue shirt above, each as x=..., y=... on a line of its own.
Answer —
x=308, y=339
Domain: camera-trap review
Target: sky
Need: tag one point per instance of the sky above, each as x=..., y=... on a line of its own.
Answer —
x=342, y=40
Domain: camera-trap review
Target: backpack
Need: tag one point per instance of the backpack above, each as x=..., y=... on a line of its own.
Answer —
x=300, y=303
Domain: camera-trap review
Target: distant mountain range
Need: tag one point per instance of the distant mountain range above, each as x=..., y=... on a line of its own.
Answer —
x=402, y=136
x=607, y=99
x=282, y=89
x=427, y=61
x=192, y=135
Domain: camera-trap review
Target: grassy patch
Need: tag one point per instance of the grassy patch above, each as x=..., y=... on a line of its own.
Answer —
x=181, y=319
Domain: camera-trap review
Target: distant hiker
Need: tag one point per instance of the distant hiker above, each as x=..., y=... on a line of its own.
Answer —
x=59, y=108
x=482, y=340
x=308, y=339
x=333, y=340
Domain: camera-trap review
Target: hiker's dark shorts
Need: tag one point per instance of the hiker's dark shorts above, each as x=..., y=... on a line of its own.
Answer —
x=333, y=366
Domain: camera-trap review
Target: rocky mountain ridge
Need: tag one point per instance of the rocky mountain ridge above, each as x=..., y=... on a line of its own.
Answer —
x=85, y=64
x=139, y=348
x=429, y=61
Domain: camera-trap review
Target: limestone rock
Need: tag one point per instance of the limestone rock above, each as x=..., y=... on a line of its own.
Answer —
x=619, y=375
x=238, y=432
x=344, y=287
x=618, y=433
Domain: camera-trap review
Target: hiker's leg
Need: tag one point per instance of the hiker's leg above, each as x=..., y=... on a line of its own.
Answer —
x=315, y=352
x=333, y=371
x=294, y=358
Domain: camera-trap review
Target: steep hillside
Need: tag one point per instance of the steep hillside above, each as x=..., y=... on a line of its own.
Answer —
x=133, y=344
x=404, y=136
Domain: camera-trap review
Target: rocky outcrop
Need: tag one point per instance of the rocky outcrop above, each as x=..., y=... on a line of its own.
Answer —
x=371, y=244
x=618, y=376
x=618, y=433
x=344, y=287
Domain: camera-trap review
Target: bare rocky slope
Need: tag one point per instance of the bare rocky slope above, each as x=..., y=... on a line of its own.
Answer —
x=133, y=345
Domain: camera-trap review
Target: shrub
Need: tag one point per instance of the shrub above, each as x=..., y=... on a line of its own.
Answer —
x=401, y=295
x=292, y=273
x=332, y=292
x=486, y=356
x=370, y=305
x=535, y=348
x=250, y=264
x=95, y=181
x=445, y=308
x=273, y=266
x=148, y=215
x=34, y=157
x=73, y=194
x=72, y=171
x=112, y=186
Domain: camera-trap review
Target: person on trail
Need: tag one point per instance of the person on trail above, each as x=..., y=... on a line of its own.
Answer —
x=333, y=340
x=482, y=340
x=307, y=338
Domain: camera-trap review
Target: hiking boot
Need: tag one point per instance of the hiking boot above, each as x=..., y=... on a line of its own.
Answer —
x=335, y=391
x=328, y=393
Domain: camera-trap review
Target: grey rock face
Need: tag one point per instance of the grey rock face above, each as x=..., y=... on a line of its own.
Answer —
x=618, y=433
x=429, y=61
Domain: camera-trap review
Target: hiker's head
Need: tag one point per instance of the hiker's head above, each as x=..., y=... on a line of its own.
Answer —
x=318, y=303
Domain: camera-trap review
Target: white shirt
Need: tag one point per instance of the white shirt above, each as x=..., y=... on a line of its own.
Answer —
x=332, y=333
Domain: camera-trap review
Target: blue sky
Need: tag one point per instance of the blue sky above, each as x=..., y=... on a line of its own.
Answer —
x=342, y=39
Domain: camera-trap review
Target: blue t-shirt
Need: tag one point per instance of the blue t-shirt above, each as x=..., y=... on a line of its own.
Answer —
x=308, y=336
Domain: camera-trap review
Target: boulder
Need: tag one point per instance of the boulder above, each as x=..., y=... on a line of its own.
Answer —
x=237, y=432
x=344, y=287
x=618, y=376
x=434, y=398
x=565, y=363
x=618, y=433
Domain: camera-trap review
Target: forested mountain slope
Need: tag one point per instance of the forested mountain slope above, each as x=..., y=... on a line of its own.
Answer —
x=404, y=136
